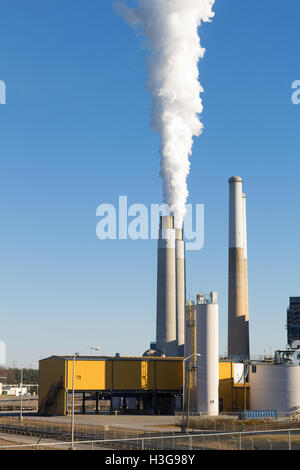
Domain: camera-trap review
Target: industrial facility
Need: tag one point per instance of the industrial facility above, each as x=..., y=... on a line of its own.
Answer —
x=182, y=370
x=293, y=320
x=143, y=384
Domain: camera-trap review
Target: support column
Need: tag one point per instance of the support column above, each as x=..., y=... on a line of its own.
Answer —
x=83, y=402
x=97, y=403
x=111, y=402
x=154, y=402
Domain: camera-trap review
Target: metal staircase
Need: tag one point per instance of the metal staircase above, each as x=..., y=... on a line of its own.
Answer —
x=50, y=398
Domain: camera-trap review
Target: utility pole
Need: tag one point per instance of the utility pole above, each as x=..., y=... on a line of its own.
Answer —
x=93, y=348
x=245, y=390
x=183, y=427
x=21, y=397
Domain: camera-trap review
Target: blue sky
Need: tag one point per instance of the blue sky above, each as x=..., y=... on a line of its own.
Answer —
x=75, y=133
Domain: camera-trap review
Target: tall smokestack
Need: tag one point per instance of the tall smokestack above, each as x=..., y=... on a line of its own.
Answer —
x=180, y=291
x=166, y=288
x=238, y=328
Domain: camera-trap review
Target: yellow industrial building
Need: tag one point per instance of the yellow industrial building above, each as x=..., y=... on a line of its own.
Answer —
x=155, y=383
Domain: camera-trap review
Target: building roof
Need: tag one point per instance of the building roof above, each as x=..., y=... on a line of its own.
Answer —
x=114, y=358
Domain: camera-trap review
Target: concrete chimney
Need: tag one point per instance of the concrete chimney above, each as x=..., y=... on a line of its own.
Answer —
x=166, y=288
x=238, y=328
x=180, y=291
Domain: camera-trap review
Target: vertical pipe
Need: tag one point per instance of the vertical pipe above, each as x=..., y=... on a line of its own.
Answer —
x=83, y=402
x=112, y=386
x=166, y=288
x=194, y=358
x=73, y=402
x=238, y=329
x=187, y=330
x=189, y=380
x=67, y=386
x=190, y=347
x=180, y=291
x=183, y=396
x=97, y=403
x=154, y=391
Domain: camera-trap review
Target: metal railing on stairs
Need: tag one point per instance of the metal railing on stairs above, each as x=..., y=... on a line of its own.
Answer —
x=50, y=398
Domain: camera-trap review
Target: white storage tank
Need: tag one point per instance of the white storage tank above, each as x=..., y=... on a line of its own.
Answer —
x=275, y=387
x=208, y=362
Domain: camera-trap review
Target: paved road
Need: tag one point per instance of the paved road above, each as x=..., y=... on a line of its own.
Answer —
x=149, y=423
x=156, y=423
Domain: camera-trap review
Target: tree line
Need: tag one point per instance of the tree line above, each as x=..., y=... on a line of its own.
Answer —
x=13, y=376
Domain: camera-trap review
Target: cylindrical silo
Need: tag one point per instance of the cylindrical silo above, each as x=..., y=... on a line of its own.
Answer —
x=180, y=290
x=166, y=288
x=208, y=362
x=238, y=329
x=275, y=387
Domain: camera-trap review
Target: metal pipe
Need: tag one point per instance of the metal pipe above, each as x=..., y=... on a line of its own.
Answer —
x=73, y=402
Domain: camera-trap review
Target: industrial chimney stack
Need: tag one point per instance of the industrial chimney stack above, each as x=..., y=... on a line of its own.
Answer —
x=238, y=322
x=180, y=291
x=166, y=288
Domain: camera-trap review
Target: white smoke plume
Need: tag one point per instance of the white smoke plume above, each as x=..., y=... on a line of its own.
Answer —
x=171, y=29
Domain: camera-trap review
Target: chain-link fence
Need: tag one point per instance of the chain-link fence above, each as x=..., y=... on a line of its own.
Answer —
x=284, y=439
x=230, y=422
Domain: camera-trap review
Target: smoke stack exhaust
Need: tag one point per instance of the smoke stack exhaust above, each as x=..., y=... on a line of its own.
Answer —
x=238, y=326
x=171, y=31
x=180, y=291
x=166, y=288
